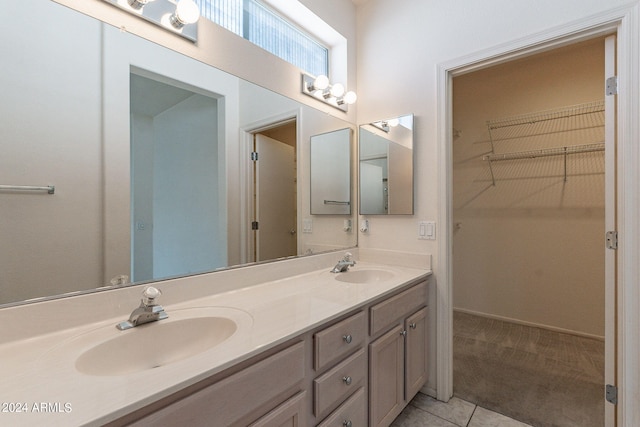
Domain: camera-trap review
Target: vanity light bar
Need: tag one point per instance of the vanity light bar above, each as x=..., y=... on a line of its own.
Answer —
x=179, y=17
x=335, y=95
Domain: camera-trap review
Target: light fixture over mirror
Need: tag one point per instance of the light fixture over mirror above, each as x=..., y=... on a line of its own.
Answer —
x=181, y=17
x=335, y=94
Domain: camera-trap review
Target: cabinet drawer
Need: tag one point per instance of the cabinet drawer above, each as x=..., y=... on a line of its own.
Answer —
x=335, y=342
x=341, y=381
x=289, y=414
x=240, y=397
x=353, y=411
x=384, y=314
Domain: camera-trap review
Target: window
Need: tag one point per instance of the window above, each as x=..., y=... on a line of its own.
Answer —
x=261, y=26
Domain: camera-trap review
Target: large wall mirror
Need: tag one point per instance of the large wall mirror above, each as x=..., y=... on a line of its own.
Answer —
x=386, y=167
x=150, y=156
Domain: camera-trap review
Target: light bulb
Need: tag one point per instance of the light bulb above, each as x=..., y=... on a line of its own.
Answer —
x=393, y=122
x=337, y=90
x=350, y=97
x=187, y=12
x=137, y=4
x=321, y=83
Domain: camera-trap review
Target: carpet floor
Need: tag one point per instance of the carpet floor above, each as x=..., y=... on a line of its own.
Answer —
x=540, y=377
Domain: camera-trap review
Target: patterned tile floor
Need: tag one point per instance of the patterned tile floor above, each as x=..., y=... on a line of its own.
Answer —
x=425, y=411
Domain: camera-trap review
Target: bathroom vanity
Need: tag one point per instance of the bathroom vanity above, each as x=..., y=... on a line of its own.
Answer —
x=310, y=348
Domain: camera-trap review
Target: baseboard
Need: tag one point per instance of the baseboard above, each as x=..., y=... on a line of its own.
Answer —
x=429, y=392
x=535, y=325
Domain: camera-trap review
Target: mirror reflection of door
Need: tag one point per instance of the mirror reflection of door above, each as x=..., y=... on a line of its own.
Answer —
x=275, y=216
x=178, y=223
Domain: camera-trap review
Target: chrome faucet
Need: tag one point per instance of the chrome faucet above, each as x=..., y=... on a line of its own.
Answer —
x=148, y=311
x=343, y=265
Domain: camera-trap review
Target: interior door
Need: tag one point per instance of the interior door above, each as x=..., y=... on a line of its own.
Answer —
x=275, y=184
x=610, y=225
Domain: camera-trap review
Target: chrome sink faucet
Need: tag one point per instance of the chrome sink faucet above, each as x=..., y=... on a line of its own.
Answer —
x=343, y=265
x=148, y=311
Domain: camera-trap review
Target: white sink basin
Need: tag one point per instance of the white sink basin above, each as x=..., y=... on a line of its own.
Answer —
x=155, y=344
x=364, y=276
x=107, y=351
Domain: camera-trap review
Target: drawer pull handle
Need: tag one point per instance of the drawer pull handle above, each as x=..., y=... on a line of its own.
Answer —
x=347, y=380
x=412, y=325
x=347, y=423
x=403, y=333
x=347, y=338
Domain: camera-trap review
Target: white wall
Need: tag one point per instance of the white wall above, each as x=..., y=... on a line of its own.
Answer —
x=397, y=75
x=530, y=248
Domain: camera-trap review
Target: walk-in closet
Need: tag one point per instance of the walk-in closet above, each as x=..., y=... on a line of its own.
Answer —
x=529, y=236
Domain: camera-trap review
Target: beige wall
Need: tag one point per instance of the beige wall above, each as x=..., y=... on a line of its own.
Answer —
x=530, y=247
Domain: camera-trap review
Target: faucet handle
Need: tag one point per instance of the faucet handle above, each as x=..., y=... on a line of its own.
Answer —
x=347, y=256
x=149, y=295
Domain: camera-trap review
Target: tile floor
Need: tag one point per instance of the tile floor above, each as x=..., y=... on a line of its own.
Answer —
x=425, y=411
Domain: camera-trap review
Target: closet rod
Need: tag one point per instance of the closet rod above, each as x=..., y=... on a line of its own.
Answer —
x=542, y=116
x=49, y=188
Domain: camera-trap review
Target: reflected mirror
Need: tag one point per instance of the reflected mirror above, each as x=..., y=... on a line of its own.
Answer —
x=331, y=173
x=386, y=167
x=150, y=154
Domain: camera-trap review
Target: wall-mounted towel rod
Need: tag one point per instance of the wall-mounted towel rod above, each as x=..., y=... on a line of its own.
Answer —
x=335, y=202
x=49, y=188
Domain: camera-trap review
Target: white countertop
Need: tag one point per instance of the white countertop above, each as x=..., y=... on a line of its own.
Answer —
x=41, y=369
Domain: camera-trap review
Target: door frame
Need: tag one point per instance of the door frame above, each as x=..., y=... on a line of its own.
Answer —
x=625, y=23
x=246, y=174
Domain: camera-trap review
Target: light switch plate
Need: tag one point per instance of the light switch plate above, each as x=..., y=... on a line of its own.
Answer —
x=307, y=225
x=426, y=230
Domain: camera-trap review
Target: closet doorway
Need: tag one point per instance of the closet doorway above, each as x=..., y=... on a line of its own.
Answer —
x=529, y=196
x=274, y=192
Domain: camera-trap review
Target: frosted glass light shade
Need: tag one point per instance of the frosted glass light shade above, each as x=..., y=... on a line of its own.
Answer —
x=350, y=97
x=321, y=82
x=187, y=12
x=337, y=90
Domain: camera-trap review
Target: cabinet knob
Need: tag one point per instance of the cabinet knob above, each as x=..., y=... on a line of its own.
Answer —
x=347, y=380
x=347, y=338
x=404, y=333
x=347, y=423
x=412, y=325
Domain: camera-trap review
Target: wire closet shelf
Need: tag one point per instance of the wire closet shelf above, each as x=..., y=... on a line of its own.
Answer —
x=545, y=124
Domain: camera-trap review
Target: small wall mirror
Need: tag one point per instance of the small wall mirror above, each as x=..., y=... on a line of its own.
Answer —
x=386, y=167
x=331, y=173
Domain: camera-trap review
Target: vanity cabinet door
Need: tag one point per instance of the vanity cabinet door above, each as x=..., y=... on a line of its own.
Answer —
x=240, y=398
x=416, y=353
x=386, y=378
